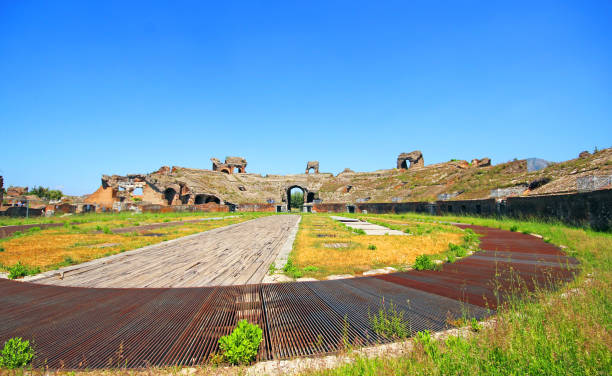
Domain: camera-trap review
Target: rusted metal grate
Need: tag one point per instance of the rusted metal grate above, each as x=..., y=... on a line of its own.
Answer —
x=96, y=328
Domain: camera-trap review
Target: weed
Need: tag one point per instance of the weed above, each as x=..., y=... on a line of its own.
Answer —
x=16, y=353
x=424, y=262
x=272, y=268
x=106, y=230
x=241, y=346
x=451, y=258
x=311, y=268
x=20, y=270
x=389, y=323
x=371, y=247
x=475, y=325
x=514, y=228
x=1, y=249
x=359, y=231
x=291, y=270
x=457, y=250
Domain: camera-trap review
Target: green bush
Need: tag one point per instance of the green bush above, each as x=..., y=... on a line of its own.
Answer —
x=242, y=345
x=16, y=353
x=20, y=270
x=291, y=270
x=457, y=250
x=371, y=247
x=107, y=230
x=451, y=258
x=514, y=228
x=424, y=262
x=389, y=323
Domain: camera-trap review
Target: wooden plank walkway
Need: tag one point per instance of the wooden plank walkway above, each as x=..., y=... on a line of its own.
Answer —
x=231, y=255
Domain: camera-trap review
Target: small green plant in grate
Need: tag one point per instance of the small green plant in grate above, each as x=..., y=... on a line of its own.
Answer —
x=16, y=353
x=389, y=322
x=241, y=346
x=424, y=262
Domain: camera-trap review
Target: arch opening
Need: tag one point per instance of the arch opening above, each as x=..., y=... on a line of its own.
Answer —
x=169, y=195
x=205, y=199
x=296, y=196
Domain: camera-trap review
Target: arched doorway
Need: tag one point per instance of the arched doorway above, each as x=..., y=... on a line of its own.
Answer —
x=169, y=195
x=205, y=199
x=296, y=197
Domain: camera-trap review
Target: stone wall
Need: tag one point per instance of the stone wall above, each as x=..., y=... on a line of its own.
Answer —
x=588, y=208
x=256, y=207
x=485, y=207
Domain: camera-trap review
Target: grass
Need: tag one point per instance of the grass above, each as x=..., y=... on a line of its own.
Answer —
x=314, y=247
x=563, y=332
x=71, y=244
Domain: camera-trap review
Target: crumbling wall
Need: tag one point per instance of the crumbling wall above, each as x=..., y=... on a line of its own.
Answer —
x=414, y=157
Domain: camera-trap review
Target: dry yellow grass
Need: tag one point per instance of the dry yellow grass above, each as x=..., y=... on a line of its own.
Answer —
x=48, y=249
x=318, y=231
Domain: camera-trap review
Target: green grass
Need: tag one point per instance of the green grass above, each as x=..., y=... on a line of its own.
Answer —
x=565, y=332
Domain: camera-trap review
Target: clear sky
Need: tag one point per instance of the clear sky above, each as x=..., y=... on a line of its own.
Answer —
x=116, y=87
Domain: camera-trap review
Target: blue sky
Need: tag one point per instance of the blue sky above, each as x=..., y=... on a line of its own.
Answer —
x=89, y=88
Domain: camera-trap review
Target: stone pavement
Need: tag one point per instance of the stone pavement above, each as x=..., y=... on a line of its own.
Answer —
x=230, y=255
x=369, y=228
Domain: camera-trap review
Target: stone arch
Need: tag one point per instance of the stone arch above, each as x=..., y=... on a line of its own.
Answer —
x=288, y=194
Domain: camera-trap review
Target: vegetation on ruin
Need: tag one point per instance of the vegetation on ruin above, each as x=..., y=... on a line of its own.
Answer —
x=325, y=247
x=37, y=250
x=568, y=331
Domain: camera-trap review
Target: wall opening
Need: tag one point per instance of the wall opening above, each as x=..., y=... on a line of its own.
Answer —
x=295, y=198
x=137, y=191
x=169, y=194
x=310, y=197
x=404, y=164
x=205, y=199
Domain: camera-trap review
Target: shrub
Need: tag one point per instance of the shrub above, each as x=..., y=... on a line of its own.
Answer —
x=389, y=323
x=20, y=270
x=514, y=228
x=242, y=345
x=451, y=258
x=16, y=353
x=458, y=250
x=371, y=247
x=424, y=262
x=107, y=230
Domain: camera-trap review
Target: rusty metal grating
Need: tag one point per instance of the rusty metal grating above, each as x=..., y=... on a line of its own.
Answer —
x=96, y=328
